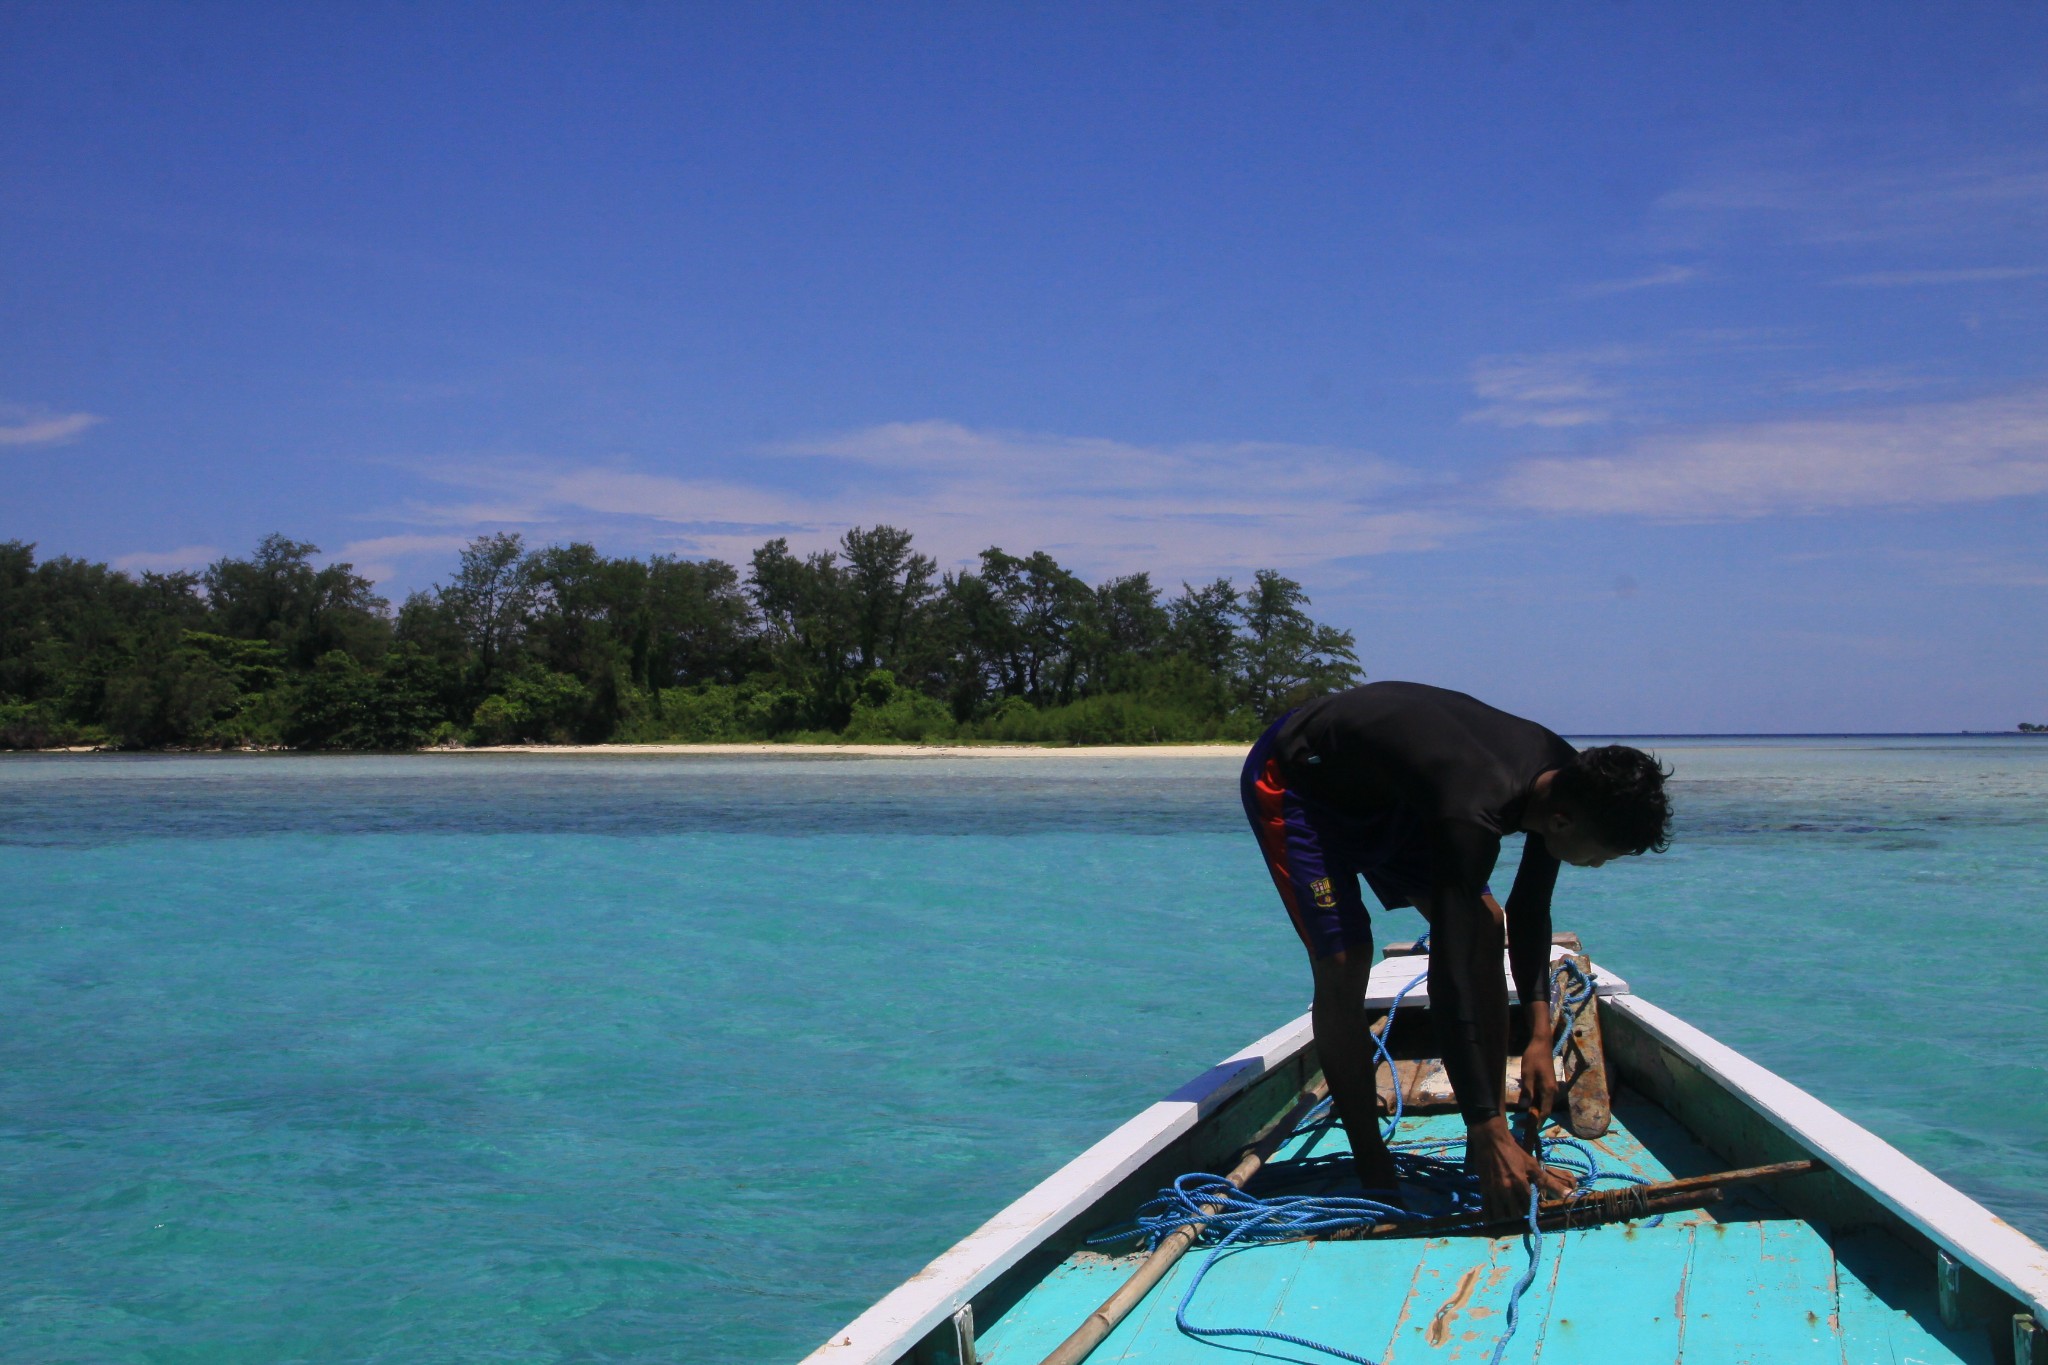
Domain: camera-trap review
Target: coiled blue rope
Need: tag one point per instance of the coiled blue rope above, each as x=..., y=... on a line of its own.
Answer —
x=1241, y=1220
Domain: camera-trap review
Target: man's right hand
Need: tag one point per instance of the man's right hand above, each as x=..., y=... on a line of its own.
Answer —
x=1505, y=1170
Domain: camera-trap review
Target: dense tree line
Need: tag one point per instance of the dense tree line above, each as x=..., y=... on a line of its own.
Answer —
x=560, y=643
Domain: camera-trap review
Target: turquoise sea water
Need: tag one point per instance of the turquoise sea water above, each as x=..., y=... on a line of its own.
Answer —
x=655, y=1059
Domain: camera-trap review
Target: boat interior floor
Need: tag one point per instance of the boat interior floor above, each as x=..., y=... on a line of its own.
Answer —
x=1744, y=1281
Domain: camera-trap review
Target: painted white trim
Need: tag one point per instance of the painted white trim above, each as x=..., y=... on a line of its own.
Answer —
x=1989, y=1245
x=899, y=1321
x=1390, y=975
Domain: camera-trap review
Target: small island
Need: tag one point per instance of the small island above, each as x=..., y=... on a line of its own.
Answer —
x=869, y=643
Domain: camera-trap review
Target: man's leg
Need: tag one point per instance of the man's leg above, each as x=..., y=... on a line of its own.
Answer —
x=1343, y=1038
x=1319, y=887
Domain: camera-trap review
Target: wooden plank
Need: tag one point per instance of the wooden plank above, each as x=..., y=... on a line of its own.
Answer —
x=894, y=1326
x=1582, y=1071
x=1412, y=947
x=1622, y=1295
x=1244, y=1289
x=1324, y=1299
x=1426, y=1087
x=1990, y=1246
x=1042, y=1320
x=1457, y=1306
x=1762, y=1293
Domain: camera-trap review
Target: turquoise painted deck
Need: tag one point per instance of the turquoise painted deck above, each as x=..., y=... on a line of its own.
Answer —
x=1744, y=1283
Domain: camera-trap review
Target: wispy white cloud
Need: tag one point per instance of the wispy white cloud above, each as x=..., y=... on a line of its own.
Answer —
x=1929, y=454
x=1973, y=569
x=1660, y=277
x=378, y=557
x=1868, y=379
x=1549, y=389
x=1892, y=279
x=1856, y=644
x=1196, y=509
x=1106, y=506
x=29, y=426
x=1824, y=194
x=162, y=561
x=399, y=547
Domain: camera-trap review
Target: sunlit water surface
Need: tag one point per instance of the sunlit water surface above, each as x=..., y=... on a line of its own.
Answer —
x=658, y=1058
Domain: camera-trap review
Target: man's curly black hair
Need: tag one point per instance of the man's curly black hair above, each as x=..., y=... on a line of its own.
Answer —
x=1620, y=793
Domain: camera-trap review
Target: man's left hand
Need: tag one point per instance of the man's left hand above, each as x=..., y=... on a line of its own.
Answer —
x=1539, y=1079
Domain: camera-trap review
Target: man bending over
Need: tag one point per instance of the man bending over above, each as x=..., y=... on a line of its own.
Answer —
x=1412, y=787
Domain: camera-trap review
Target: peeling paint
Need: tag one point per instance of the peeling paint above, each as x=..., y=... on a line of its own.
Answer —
x=1407, y=1302
x=1440, y=1326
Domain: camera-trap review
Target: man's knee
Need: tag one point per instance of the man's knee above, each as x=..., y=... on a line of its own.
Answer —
x=1341, y=977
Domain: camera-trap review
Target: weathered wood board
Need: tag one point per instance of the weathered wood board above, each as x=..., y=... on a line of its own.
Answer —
x=1582, y=1070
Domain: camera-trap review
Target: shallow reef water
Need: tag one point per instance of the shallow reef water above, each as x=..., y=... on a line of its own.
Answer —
x=658, y=1058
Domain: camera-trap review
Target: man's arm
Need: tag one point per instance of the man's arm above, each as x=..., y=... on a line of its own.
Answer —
x=1528, y=917
x=1468, y=1002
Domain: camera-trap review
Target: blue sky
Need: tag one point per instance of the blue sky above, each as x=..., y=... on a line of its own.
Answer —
x=1635, y=367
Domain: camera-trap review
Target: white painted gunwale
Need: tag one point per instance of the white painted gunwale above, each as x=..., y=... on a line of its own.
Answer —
x=1980, y=1239
x=1974, y=1235
x=894, y=1326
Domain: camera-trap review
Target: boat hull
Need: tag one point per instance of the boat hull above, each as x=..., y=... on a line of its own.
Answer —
x=1894, y=1261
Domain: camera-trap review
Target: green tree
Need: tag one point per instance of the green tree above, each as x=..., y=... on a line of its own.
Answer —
x=1203, y=625
x=1286, y=656
x=489, y=600
x=170, y=697
x=884, y=711
x=536, y=707
x=1040, y=604
x=701, y=625
x=336, y=706
x=887, y=587
x=589, y=622
x=1122, y=628
x=252, y=665
x=561, y=642
x=809, y=626
x=341, y=704
x=278, y=595
x=972, y=639
x=428, y=625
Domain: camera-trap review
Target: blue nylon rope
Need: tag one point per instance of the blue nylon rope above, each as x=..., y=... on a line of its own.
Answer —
x=1535, y=1247
x=1241, y=1220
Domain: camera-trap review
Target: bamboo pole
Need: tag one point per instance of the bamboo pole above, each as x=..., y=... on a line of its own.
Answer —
x=1552, y=1217
x=1117, y=1306
x=1601, y=1206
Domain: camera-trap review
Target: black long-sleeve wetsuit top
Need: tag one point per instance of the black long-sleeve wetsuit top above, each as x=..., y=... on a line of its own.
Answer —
x=1463, y=771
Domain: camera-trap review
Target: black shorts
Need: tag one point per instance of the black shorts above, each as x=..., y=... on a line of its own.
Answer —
x=1317, y=856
